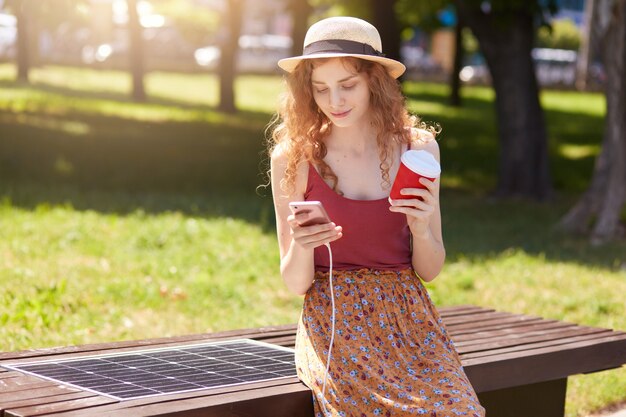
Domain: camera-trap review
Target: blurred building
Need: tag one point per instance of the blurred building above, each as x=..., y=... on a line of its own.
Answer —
x=554, y=67
x=573, y=10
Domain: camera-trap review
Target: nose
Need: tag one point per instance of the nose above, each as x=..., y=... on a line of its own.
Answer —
x=335, y=98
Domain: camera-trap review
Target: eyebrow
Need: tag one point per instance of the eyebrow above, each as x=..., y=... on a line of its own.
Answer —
x=342, y=80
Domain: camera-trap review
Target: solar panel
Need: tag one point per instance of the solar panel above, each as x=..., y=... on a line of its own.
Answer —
x=145, y=373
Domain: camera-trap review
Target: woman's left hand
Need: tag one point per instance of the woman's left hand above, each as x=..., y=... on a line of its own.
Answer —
x=419, y=209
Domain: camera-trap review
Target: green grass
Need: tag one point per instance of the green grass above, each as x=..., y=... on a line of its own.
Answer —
x=76, y=276
x=125, y=221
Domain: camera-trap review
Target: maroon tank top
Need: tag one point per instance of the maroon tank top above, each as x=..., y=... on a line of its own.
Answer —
x=373, y=237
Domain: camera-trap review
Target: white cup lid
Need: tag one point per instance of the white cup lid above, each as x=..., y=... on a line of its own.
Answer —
x=422, y=162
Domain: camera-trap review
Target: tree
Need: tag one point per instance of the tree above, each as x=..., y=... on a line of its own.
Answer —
x=31, y=14
x=229, y=47
x=136, y=55
x=195, y=21
x=598, y=211
x=459, y=54
x=385, y=20
x=505, y=32
x=23, y=29
x=584, y=52
x=300, y=11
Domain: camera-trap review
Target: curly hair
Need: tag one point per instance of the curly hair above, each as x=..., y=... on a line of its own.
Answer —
x=300, y=127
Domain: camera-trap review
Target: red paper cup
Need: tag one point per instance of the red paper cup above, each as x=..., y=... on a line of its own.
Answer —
x=413, y=166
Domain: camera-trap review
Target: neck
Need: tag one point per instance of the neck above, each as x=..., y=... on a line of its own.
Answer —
x=358, y=138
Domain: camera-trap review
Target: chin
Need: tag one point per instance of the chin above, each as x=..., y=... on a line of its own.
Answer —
x=343, y=123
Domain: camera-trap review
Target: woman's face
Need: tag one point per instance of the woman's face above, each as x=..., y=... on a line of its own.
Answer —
x=340, y=92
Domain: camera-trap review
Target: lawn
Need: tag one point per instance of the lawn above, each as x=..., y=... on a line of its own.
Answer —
x=124, y=221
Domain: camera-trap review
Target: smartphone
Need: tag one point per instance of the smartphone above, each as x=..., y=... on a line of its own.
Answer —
x=314, y=209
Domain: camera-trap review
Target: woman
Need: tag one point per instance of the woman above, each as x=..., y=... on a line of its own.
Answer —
x=339, y=135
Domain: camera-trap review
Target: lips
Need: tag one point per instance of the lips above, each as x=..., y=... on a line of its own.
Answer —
x=340, y=115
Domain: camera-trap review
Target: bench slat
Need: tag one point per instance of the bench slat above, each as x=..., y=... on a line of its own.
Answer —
x=477, y=318
x=206, y=396
x=207, y=393
x=22, y=383
x=10, y=374
x=278, y=401
x=554, y=362
x=102, y=348
x=43, y=409
x=529, y=347
x=461, y=311
x=521, y=339
x=36, y=392
x=526, y=328
x=46, y=400
x=494, y=323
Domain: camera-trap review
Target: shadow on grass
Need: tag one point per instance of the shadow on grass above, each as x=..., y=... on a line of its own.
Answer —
x=478, y=228
x=113, y=152
x=243, y=116
x=253, y=206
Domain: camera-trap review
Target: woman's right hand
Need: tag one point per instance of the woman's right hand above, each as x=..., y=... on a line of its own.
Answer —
x=310, y=237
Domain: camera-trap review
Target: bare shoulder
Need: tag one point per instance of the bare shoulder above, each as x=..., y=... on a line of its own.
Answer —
x=279, y=155
x=280, y=165
x=422, y=139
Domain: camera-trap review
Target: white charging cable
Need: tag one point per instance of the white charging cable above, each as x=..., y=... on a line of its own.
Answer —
x=332, y=334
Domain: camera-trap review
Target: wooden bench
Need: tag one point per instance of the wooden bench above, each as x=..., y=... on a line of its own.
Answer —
x=518, y=364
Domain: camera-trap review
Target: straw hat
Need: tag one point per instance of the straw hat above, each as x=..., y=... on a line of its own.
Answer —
x=343, y=36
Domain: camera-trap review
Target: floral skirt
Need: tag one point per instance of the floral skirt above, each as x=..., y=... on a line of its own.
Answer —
x=391, y=354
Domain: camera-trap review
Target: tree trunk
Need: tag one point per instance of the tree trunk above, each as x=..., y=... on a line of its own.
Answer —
x=23, y=50
x=136, y=51
x=300, y=11
x=604, y=199
x=228, y=57
x=455, y=81
x=506, y=42
x=584, y=51
x=386, y=22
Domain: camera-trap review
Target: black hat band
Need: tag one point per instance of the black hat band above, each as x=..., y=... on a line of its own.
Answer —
x=340, y=46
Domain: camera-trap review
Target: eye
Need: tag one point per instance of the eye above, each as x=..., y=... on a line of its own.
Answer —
x=348, y=87
x=321, y=90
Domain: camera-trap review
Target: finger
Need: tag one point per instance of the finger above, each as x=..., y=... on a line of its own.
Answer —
x=422, y=195
x=318, y=239
x=430, y=184
x=423, y=211
x=296, y=221
x=419, y=203
x=339, y=235
x=418, y=192
x=318, y=230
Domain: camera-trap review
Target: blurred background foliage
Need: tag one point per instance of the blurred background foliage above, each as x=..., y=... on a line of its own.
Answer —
x=562, y=34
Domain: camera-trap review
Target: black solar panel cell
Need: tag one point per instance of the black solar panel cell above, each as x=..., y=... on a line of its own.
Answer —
x=168, y=370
